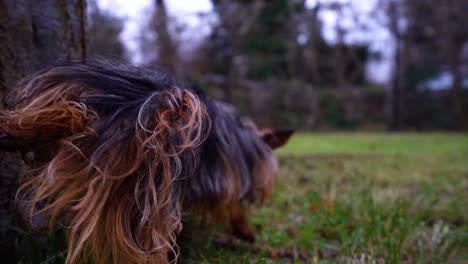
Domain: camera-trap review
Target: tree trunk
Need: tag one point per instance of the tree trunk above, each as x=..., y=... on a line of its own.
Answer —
x=167, y=48
x=456, y=89
x=394, y=14
x=33, y=35
x=396, y=89
x=311, y=52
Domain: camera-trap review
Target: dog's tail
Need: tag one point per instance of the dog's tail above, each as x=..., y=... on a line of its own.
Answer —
x=115, y=175
x=47, y=118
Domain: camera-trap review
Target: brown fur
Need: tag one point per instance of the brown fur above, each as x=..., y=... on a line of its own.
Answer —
x=71, y=182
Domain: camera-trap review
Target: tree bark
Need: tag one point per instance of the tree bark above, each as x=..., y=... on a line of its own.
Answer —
x=456, y=89
x=167, y=48
x=394, y=14
x=33, y=35
x=396, y=89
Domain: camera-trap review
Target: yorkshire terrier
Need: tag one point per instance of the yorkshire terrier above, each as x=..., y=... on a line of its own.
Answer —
x=124, y=152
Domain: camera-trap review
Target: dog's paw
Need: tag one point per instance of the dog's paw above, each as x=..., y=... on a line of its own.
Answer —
x=245, y=234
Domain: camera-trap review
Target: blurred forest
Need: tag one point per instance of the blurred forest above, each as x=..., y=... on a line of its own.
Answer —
x=270, y=58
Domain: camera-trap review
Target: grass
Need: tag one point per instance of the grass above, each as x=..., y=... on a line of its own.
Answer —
x=357, y=198
x=351, y=198
x=303, y=143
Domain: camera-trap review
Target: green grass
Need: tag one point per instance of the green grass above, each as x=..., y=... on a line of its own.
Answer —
x=399, y=198
x=303, y=143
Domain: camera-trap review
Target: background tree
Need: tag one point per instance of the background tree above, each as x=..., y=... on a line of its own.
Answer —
x=429, y=38
x=266, y=58
x=158, y=43
x=224, y=46
x=437, y=37
x=394, y=16
x=104, y=31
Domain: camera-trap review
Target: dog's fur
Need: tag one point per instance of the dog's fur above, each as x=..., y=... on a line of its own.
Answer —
x=123, y=152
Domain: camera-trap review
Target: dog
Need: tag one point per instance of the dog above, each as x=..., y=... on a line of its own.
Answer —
x=122, y=153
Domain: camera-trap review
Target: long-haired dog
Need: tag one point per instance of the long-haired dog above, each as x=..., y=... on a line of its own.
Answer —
x=124, y=152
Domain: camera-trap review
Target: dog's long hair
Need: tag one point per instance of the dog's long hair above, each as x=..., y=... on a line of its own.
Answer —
x=128, y=151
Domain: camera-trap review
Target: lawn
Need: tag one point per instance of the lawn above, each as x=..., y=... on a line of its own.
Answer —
x=356, y=198
x=390, y=143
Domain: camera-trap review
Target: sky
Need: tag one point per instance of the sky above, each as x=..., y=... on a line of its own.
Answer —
x=136, y=12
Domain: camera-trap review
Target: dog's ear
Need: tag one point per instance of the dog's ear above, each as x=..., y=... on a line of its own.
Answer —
x=276, y=138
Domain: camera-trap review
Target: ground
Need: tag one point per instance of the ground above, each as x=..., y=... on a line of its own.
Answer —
x=356, y=198
x=342, y=198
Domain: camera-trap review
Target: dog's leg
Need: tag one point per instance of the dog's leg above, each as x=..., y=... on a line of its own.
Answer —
x=240, y=225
